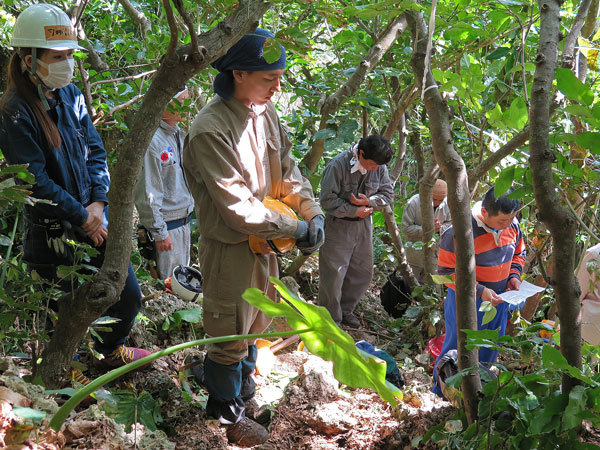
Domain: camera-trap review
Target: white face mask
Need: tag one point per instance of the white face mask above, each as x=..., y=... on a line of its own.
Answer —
x=59, y=75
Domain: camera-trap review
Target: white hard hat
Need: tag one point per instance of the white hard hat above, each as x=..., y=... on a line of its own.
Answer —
x=186, y=283
x=44, y=26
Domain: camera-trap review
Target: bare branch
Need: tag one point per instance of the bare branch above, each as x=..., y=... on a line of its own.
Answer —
x=129, y=77
x=568, y=55
x=481, y=169
x=87, y=92
x=170, y=54
x=190, y=26
x=138, y=18
x=116, y=108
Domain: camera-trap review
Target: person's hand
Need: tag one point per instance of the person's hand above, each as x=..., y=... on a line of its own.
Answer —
x=94, y=219
x=316, y=236
x=363, y=211
x=513, y=284
x=99, y=236
x=490, y=296
x=362, y=200
x=437, y=224
x=165, y=245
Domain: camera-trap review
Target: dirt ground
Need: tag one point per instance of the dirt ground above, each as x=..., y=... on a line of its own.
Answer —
x=308, y=408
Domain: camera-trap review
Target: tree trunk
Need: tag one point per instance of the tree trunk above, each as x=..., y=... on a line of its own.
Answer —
x=403, y=266
x=95, y=297
x=459, y=203
x=558, y=219
x=427, y=219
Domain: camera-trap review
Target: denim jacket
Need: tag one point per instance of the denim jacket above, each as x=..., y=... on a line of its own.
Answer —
x=73, y=176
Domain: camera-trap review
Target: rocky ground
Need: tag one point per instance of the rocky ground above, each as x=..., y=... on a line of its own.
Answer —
x=308, y=408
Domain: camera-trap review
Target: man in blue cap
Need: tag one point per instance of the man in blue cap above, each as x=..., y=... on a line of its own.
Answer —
x=236, y=154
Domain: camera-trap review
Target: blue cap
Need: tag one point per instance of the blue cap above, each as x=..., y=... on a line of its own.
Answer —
x=246, y=54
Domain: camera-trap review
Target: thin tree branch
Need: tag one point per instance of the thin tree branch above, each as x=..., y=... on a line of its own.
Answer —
x=174, y=34
x=120, y=79
x=138, y=18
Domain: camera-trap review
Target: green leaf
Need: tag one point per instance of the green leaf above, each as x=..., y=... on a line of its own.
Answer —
x=551, y=357
x=324, y=133
x=378, y=102
x=496, y=116
x=488, y=316
x=589, y=140
x=193, y=315
x=573, y=87
x=504, y=181
x=500, y=52
x=491, y=335
x=28, y=413
x=21, y=172
x=579, y=110
x=324, y=338
x=271, y=50
x=442, y=279
x=516, y=116
x=347, y=129
x=459, y=32
x=132, y=408
x=577, y=400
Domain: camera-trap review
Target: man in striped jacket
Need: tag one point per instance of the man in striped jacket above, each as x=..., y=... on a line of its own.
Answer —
x=499, y=257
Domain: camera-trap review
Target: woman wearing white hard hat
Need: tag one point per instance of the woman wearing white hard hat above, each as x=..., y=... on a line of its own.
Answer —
x=44, y=123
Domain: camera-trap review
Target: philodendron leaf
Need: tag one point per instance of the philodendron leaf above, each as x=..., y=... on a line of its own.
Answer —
x=326, y=340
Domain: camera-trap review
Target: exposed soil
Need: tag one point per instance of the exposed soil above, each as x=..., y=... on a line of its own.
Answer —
x=308, y=408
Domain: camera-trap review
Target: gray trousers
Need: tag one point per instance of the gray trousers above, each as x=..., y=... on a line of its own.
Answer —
x=180, y=255
x=345, y=264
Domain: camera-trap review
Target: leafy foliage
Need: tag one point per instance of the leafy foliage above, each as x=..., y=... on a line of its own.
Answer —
x=523, y=410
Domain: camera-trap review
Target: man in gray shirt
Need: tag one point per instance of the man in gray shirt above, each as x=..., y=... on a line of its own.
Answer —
x=412, y=226
x=353, y=183
x=162, y=196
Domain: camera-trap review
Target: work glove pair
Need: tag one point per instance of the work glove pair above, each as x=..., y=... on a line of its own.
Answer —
x=309, y=237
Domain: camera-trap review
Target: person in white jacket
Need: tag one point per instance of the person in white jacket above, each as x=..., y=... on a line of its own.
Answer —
x=162, y=195
x=412, y=226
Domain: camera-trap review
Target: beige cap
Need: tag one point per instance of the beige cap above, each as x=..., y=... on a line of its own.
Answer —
x=439, y=188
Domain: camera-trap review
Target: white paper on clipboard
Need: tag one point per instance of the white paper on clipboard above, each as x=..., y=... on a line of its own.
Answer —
x=525, y=291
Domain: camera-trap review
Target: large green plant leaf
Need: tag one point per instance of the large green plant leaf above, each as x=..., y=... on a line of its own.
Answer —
x=132, y=408
x=573, y=87
x=516, y=115
x=572, y=416
x=504, y=181
x=324, y=338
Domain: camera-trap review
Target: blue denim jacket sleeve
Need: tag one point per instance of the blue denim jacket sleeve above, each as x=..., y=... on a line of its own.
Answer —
x=96, y=162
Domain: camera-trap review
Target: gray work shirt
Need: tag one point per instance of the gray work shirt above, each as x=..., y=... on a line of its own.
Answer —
x=338, y=183
x=161, y=192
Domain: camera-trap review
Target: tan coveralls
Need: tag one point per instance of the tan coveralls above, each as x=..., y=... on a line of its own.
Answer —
x=346, y=257
x=235, y=156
